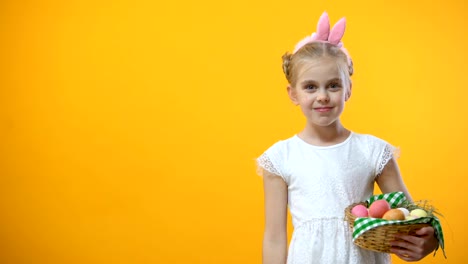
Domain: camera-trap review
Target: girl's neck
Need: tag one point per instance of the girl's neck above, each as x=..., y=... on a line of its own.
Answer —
x=324, y=136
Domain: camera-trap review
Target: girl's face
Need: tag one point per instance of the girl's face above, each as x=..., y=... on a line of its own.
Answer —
x=320, y=91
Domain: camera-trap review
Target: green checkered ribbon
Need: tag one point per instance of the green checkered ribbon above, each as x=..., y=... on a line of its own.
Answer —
x=363, y=224
x=393, y=198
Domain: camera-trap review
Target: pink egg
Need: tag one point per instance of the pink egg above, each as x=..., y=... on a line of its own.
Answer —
x=360, y=211
x=378, y=208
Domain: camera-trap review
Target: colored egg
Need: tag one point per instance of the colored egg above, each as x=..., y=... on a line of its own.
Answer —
x=394, y=214
x=378, y=208
x=410, y=217
x=360, y=211
x=404, y=210
x=418, y=212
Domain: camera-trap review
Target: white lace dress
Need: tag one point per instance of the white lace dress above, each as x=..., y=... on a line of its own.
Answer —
x=322, y=182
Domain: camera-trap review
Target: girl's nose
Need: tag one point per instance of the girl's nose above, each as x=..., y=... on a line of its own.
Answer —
x=323, y=97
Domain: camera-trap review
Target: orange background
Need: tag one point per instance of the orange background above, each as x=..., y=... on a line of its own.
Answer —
x=129, y=129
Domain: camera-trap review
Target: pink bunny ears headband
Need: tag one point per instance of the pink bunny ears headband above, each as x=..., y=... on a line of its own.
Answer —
x=324, y=34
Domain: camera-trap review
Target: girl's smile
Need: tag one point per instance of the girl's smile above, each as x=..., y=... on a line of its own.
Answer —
x=323, y=109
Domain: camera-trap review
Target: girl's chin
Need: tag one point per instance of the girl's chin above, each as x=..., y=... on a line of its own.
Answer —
x=324, y=123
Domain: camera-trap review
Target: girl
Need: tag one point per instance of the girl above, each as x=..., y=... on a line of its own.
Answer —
x=326, y=167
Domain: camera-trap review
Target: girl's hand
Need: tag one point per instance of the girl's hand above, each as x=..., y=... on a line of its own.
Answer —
x=414, y=248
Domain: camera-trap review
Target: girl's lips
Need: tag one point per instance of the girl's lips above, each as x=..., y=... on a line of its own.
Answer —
x=322, y=109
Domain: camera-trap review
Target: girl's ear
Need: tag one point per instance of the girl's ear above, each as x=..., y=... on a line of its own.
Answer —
x=348, y=92
x=292, y=94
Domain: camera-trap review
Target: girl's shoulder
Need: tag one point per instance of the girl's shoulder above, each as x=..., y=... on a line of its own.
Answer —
x=368, y=139
x=376, y=147
x=283, y=145
x=273, y=159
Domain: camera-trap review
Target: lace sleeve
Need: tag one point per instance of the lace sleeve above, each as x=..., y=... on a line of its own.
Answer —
x=273, y=161
x=264, y=163
x=388, y=153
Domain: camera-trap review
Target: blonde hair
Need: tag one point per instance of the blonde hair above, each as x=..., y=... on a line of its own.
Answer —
x=312, y=51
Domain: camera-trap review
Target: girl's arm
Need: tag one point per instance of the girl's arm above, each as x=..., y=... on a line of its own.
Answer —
x=412, y=248
x=275, y=236
x=390, y=180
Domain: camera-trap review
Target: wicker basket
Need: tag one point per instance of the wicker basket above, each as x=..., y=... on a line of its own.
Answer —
x=378, y=239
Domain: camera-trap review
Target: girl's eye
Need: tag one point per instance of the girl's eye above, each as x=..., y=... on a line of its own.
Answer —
x=335, y=86
x=310, y=87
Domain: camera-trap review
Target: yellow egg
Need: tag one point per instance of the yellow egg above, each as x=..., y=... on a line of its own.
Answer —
x=410, y=217
x=418, y=212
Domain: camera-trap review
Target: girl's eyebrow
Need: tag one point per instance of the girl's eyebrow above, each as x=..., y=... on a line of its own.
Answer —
x=313, y=81
x=335, y=80
x=308, y=81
